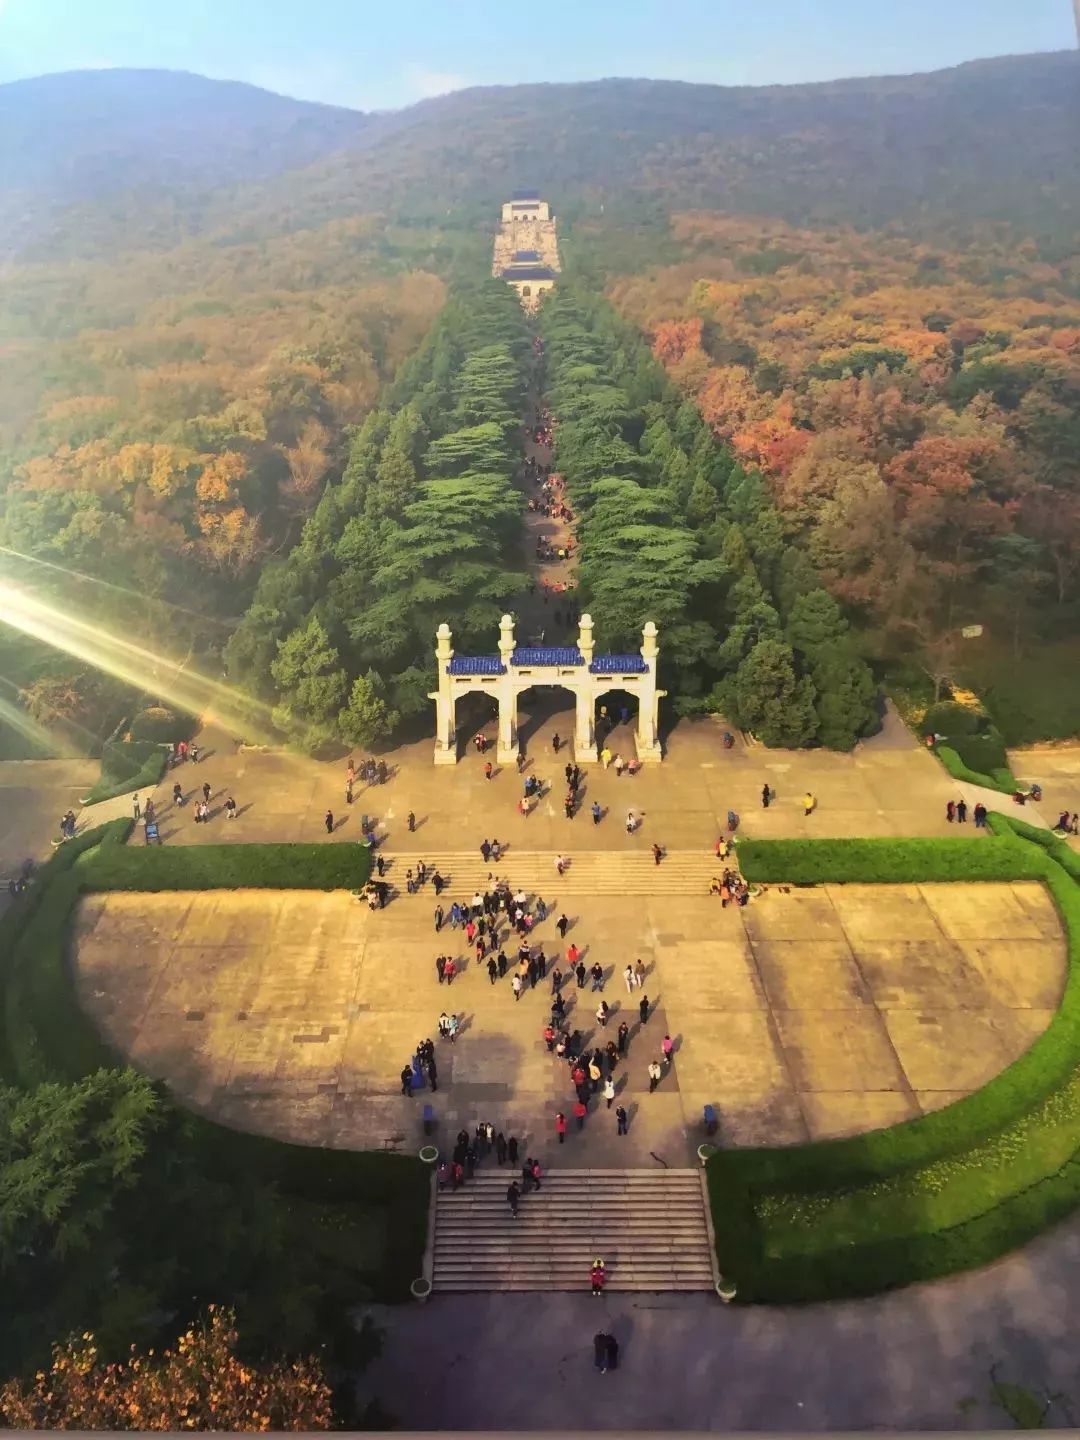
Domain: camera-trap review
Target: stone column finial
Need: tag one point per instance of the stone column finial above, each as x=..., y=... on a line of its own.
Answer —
x=585, y=639
x=650, y=650
x=506, y=639
x=443, y=650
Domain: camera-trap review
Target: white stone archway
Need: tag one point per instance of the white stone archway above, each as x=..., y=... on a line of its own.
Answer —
x=576, y=668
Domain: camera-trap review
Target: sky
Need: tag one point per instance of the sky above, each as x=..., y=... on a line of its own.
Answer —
x=383, y=55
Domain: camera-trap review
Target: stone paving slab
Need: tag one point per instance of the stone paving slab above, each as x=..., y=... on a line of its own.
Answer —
x=811, y=974
x=293, y=1012
x=831, y=1114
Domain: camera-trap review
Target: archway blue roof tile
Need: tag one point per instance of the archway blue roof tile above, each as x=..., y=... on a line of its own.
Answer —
x=548, y=655
x=476, y=665
x=618, y=665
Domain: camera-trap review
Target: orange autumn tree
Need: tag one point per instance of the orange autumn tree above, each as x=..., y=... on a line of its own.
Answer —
x=201, y=1384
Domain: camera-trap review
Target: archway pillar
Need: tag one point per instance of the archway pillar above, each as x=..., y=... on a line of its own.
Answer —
x=649, y=697
x=506, y=748
x=446, y=740
x=584, y=729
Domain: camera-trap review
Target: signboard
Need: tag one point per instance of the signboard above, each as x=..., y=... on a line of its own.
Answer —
x=152, y=832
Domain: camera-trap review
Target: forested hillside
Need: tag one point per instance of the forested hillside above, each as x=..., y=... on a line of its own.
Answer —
x=168, y=425
x=989, y=140
x=916, y=412
x=156, y=136
x=424, y=526
x=672, y=528
x=203, y=310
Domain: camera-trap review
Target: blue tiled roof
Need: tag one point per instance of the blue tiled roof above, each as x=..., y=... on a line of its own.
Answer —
x=548, y=655
x=528, y=272
x=476, y=665
x=618, y=665
x=526, y=255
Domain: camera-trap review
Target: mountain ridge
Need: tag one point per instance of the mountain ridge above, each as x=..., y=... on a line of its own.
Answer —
x=83, y=170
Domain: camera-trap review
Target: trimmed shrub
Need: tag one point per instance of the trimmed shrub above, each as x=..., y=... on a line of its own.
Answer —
x=984, y=752
x=161, y=726
x=128, y=767
x=949, y=718
x=1001, y=780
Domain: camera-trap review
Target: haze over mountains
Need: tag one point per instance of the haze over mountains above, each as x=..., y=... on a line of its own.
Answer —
x=121, y=159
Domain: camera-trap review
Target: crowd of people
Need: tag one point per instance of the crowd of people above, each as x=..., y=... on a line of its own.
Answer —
x=731, y=887
x=497, y=924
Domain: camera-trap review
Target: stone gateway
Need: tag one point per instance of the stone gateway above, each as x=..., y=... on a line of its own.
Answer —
x=576, y=668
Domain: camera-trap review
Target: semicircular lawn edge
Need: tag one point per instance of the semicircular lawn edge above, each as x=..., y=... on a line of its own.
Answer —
x=948, y=1191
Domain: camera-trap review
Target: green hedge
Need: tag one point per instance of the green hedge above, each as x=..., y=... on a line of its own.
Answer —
x=948, y=1191
x=1002, y=780
x=971, y=747
x=127, y=768
x=46, y=1035
x=342, y=866
x=899, y=861
x=1055, y=845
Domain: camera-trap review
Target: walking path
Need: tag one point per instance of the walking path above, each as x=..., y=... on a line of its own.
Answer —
x=545, y=612
x=913, y=1360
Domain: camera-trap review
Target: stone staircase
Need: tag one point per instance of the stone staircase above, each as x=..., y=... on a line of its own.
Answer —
x=590, y=872
x=648, y=1225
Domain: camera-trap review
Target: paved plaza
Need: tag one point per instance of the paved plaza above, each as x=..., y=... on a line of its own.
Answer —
x=884, y=788
x=810, y=1013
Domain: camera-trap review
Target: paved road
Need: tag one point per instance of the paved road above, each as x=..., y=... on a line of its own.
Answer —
x=918, y=1359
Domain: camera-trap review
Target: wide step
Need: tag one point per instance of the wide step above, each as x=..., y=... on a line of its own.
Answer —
x=649, y=1226
x=594, y=872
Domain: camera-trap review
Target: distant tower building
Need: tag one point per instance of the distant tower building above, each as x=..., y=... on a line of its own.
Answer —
x=526, y=250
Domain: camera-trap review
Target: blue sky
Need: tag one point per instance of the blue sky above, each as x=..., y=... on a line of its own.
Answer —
x=370, y=56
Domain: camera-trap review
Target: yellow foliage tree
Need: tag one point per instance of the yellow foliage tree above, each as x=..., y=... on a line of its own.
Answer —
x=201, y=1384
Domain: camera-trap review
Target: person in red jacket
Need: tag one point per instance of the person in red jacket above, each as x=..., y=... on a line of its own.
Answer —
x=598, y=1275
x=580, y=1111
x=560, y=1127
